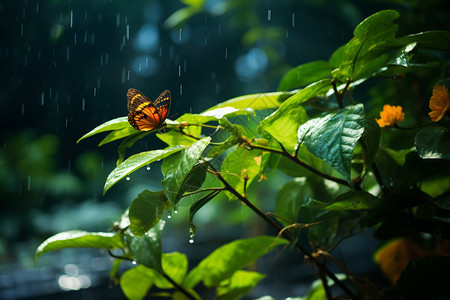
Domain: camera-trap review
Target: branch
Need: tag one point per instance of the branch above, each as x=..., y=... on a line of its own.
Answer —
x=285, y=234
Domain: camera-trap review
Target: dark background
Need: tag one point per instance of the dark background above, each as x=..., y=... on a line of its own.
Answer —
x=65, y=68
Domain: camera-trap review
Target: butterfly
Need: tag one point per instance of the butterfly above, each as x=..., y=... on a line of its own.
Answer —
x=146, y=115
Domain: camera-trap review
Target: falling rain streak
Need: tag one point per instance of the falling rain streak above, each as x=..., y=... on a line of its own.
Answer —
x=71, y=19
x=83, y=104
x=269, y=15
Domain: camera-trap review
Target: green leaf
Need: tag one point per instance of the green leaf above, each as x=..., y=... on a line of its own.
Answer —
x=317, y=291
x=115, y=124
x=117, y=134
x=175, y=137
x=129, y=142
x=290, y=198
x=370, y=140
x=333, y=137
x=256, y=101
x=145, y=211
x=305, y=74
x=430, y=40
x=240, y=283
x=352, y=200
x=137, y=161
x=80, y=239
x=424, y=278
x=229, y=258
x=196, y=207
x=146, y=250
x=136, y=282
x=215, y=114
x=283, y=123
x=175, y=265
x=357, y=59
x=238, y=165
x=177, y=167
x=194, y=180
x=433, y=143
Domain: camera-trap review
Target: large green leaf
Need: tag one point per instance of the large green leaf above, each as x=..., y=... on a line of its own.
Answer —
x=145, y=211
x=115, y=124
x=80, y=239
x=256, y=101
x=137, y=161
x=175, y=265
x=128, y=143
x=352, y=200
x=136, y=282
x=333, y=137
x=146, y=250
x=241, y=164
x=290, y=198
x=357, y=58
x=177, y=167
x=283, y=123
x=238, y=285
x=430, y=40
x=433, y=143
x=229, y=258
x=214, y=115
x=305, y=74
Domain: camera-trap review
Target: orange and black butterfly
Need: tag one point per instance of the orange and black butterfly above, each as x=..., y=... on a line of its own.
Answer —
x=146, y=115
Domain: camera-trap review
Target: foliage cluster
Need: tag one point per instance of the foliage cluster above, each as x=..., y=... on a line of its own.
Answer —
x=348, y=175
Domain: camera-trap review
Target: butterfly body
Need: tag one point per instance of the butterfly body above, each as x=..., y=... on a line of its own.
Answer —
x=145, y=115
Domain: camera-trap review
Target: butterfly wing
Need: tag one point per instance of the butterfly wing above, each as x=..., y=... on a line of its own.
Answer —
x=162, y=103
x=145, y=115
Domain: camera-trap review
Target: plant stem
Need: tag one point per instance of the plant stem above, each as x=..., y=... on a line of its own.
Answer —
x=178, y=287
x=297, y=161
x=284, y=233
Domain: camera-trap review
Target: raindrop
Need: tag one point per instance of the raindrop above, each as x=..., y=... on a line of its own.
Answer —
x=181, y=89
x=85, y=14
x=95, y=91
x=128, y=32
x=67, y=122
x=39, y=55
x=123, y=75
x=134, y=262
x=391, y=182
x=71, y=19
x=191, y=240
x=179, y=34
x=37, y=7
x=148, y=168
x=169, y=214
x=128, y=177
x=293, y=20
x=118, y=20
x=206, y=40
x=83, y=104
x=128, y=76
x=226, y=53
x=179, y=70
x=184, y=66
x=42, y=99
x=23, y=109
x=21, y=30
x=269, y=14
x=29, y=183
x=75, y=38
x=68, y=53
x=175, y=211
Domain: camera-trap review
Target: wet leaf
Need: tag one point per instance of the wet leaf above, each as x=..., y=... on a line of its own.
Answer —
x=240, y=283
x=433, y=143
x=80, y=239
x=115, y=124
x=305, y=74
x=137, y=161
x=352, y=200
x=136, y=282
x=229, y=258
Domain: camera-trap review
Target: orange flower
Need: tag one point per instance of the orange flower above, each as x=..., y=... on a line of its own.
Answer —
x=390, y=115
x=439, y=102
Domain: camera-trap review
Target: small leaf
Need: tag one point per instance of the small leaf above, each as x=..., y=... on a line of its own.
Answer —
x=333, y=137
x=175, y=265
x=145, y=211
x=352, y=200
x=115, y=124
x=177, y=167
x=283, y=123
x=129, y=142
x=146, y=250
x=305, y=74
x=80, y=239
x=229, y=258
x=433, y=143
x=196, y=207
x=117, y=134
x=241, y=165
x=193, y=180
x=137, y=161
x=240, y=283
x=136, y=282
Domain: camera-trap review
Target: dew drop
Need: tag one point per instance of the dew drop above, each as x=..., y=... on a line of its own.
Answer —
x=128, y=177
x=169, y=214
x=191, y=241
x=133, y=262
x=148, y=168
